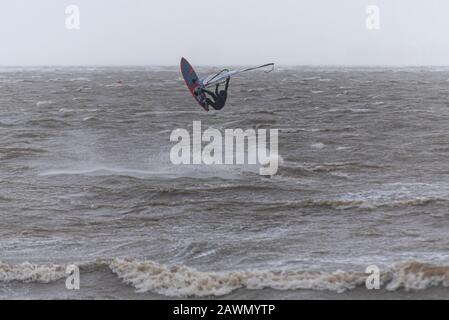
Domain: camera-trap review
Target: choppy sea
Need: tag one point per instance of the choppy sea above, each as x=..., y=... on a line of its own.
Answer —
x=86, y=179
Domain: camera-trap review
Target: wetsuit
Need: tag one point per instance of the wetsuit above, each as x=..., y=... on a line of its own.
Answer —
x=218, y=98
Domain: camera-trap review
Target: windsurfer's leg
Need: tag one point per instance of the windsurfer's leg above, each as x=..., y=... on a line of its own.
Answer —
x=211, y=103
x=210, y=93
x=217, y=104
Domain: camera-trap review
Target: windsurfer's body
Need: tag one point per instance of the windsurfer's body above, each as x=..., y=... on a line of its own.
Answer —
x=219, y=98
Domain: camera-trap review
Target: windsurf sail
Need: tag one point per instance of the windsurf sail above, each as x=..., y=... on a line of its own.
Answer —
x=225, y=73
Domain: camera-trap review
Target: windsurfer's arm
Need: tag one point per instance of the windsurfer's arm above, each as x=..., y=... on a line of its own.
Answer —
x=216, y=88
x=209, y=93
x=227, y=83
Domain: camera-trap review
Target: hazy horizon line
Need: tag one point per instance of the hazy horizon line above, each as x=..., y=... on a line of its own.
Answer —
x=221, y=65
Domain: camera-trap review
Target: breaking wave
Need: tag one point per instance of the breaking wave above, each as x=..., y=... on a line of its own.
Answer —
x=183, y=281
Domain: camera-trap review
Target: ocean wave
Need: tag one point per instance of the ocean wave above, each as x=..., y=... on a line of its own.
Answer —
x=418, y=276
x=330, y=167
x=419, y=201
x=183, y=281
x=43, y=103
x=50, y=123
x=28, y=272
x=343, y=204
x=291, y=170
x=312, y=203
x=12, y=153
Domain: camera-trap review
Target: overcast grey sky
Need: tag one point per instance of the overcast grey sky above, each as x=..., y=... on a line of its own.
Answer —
x=223, y=32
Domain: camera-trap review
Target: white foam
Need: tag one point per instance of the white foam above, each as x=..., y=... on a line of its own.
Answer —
x=184, y=281
x=318, y=145
x=43, y=103
x=28, y=272
x=418, y=276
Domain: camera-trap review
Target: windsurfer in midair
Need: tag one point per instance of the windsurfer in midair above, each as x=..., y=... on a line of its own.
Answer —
x=219, y=98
